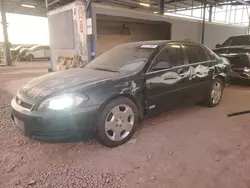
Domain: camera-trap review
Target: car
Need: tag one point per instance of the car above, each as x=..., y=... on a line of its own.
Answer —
x=34, y=53
x=236, y=49
x=15, y=52
x=22, y=54
x=114, y=92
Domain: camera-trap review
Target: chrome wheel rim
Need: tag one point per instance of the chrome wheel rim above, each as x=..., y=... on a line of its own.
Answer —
x=119, y=122
x=216, y=92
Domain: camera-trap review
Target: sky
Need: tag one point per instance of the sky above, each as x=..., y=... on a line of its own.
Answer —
x=25, y=29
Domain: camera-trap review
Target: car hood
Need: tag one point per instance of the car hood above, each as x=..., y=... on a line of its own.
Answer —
x=233, y=49
x=53, y=83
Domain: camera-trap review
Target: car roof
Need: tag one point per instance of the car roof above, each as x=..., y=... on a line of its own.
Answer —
x=162, y=42
x=240, y=36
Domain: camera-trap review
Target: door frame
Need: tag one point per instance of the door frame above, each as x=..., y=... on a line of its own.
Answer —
x=163, y=70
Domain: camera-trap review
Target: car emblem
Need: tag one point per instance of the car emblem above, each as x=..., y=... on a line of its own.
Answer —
x=19, y=101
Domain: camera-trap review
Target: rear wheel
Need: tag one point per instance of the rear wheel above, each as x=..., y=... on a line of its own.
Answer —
x=214, y=94
x=117, y=122
x=31, y=58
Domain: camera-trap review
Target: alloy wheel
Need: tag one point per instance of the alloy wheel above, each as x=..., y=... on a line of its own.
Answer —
x=119, y=122
x=216, y=92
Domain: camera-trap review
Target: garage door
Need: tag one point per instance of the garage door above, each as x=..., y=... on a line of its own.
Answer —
x=111, y=33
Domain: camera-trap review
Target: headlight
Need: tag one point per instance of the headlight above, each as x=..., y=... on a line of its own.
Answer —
x=62, y=102
x=246, y=69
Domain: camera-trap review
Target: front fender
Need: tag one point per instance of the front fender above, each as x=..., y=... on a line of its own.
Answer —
x=223, y=70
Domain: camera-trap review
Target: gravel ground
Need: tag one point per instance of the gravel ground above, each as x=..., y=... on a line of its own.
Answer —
x=193, y=147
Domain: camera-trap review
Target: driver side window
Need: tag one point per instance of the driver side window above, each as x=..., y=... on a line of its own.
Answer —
x=171, y=56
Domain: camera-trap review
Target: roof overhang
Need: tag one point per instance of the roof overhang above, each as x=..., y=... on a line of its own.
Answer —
x=27, y=7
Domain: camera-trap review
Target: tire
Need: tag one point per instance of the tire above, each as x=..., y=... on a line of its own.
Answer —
x=31, y=58
x=109, y=124
x=14, y=58
x=212, y=100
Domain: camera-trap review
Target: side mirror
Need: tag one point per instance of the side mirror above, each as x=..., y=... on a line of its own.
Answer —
x=218, y=46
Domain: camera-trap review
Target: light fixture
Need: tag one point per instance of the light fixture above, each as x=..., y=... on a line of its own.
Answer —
x=155, y=12
x=145, y=4
x=28, y=6
x=175, y=46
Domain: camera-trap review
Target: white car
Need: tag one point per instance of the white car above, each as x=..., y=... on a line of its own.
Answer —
x=38, y=52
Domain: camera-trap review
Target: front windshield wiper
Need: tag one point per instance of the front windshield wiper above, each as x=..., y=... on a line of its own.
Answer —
x=104, y=69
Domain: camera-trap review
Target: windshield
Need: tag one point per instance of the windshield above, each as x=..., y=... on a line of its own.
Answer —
x=236, y=41
x=126, y=57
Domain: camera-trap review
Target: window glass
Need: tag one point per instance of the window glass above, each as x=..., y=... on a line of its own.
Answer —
x=125, y=57
x=39, y=48
x=169, y=57
x=195, y=54
x=238, y=40
x=45, y=47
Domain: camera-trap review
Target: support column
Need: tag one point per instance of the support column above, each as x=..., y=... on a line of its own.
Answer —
x=6, y=45
x=162, y=6
x=204, y=22
x=210, y=13
x=90, y=36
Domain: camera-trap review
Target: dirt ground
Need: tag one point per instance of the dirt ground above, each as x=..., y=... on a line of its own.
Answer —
x=191, y=147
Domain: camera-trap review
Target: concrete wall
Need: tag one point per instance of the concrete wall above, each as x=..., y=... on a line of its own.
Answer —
x=217, y=33
x=182, y=28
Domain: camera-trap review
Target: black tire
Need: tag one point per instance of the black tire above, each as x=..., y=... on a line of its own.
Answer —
x=208, y=98
x=105, y=112
x=31, y=58
x=14, y=57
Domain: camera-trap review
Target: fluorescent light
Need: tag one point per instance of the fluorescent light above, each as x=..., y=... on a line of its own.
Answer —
x=155, y=12
x=145, y=4
x=28, y=6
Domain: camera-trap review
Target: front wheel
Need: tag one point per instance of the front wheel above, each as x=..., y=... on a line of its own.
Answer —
x=214, y=94
x=117, y=122
x=31, y=58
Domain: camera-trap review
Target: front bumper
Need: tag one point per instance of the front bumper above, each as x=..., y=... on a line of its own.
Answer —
x=55, y=126
x=239, y=63
x=240, y=74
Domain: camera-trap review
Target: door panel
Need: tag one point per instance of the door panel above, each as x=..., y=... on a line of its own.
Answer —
x=38, y=54
x=200, y=72
x=161, y=89
x=164, y=77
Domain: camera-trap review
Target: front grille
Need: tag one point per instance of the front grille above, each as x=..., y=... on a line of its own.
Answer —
x=23, y=104
x=239, y=61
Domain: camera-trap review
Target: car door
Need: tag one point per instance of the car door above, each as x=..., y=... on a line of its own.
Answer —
x=38, y=52
x=200, y=72
x=163, y=78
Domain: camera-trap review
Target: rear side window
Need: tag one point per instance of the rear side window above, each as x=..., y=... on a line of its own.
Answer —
x=195, y=54
x=45, y=48
x=170, y=56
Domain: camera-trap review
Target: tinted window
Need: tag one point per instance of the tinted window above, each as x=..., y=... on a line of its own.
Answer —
x=169, y=57
x=126, y=57
x=38, y=48
x=195, y=54
x=238, y=40
x=46, y=47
